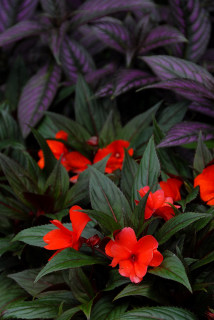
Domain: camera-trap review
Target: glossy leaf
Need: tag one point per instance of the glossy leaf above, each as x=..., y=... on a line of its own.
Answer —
x=106, y=197
x=193, y=21
x=202, y=155
x=80, y=285
x=208, y=109
x=148, y=171
x=66, y=259
x=74, y=59
x=172, y=114
x=129, y=171
x=167, y=67
x=20, y=31
x=173, y=269
x=37, y=96
x=204, y=261
x=105, y=309
x=113, y=33
x=68, y=314
x=161, y=36
x=178, y=223
x=186, y=132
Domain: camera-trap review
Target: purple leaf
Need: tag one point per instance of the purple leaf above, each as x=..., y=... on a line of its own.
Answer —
x=19, y=31
x=186, y=132
x=75, y=59
x=161, y=36
x=36, y=97
x=106, y=90
x=56, y=38
x=98, y=74
x=167, y=67
x=55, y=8
x=189, y=89
x=112, y=32
x=89, y=40
x=93, y=9
x=208, y=110
x=15, y=11
x=193, y=21
x=130, y=78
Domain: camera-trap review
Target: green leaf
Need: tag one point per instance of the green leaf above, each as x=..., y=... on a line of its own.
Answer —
x=178, y=223
x=25, y=279
x=145, y=289
x=115, y=280
x=105, y=309
x=128, y=173
x=66, y=259
x=202, y=155
x=68, y=314
x=205, y=260
x=190, y=197
x=32, y=310
x=158, y=313
x=172, y=114
x=106, y=197
x=34, y=236
x=148, y=171
x=8, y=127
x=106, y=222
x=87, y=111
x=6, y=245
x=136, y=125
x=77, y=134
x=173, y=269
x=86, y=308
x=139, y=214
x=110, y=128
x=50, y=160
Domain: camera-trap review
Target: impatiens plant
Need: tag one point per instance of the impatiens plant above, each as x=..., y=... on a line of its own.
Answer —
x=106, y=193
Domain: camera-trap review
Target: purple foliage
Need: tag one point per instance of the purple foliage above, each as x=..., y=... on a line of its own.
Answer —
x=55, y=8
x=186, y=132
x=56, y=38
x=36, y=97
x=89, y=40
x=93, y=9
x=96, y=75
x=12, y=11
x=166, y=67
x=189, y=89
x=161, y=36
x=193, y=21
x=75, y=59
x=112, y=32
x=208, y=110
x=19, y=31
x=106, y=90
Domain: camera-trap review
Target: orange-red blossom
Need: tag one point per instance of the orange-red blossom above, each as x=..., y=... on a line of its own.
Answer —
x=134, y=257
x=62, y=237
x=157, y=203
x=205, y=181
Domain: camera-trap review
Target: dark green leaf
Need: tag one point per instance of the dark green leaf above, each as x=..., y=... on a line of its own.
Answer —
x=191, y=196
x=173, y=269
x=178, y=223
x=106, y=197
x=110, y=128
x=172, y=114
x=6, y=245
x=205, y=260
x=106, y=222
x=115, y=280
x=128, y=174
x=68, y=314
x=202, y=155
x=105, y=309
x=66, y=259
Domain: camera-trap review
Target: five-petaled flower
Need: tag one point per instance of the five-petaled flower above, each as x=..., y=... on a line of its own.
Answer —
x=62, y=237
x=157, y=203
x=134, y=257
x=58, y=149
x=116, y=149
x=205, y=181
x=171, y=188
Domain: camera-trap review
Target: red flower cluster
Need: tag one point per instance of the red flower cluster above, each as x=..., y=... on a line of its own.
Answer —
x=205, y=181
x=158, y=203
x=116, y=149
x=62, y=237
x=134, y=257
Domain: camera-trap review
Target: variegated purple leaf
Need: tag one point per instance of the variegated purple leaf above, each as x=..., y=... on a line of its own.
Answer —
x=56, y=38
x=98, y=74
x=130, y=78
x=161, y=36
x=189, y=89
x=75, y=59
x=105, y=90
x=186, y=132
x=112, y=32
x=19, y=31
x=36, y=97
x=194, y=23
x=12, y=11
x=94, y=9
x=167, y=67
x=55, y=8
x=88, y=39
x=207, y=110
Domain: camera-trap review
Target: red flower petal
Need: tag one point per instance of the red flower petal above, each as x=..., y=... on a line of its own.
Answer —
x=157, y=259
x=76, y=161
x=205, y=181
x=171, y=188
x=57, y=239
x=62, y=135
x=78, y=220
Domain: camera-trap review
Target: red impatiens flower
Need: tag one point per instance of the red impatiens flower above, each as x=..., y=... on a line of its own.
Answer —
x=58, y=148
x=157, y=203
x=77, y=163
x=133, y=256
x=171, y=188
x=63, y=238
x=205, y=181
x=116, y=149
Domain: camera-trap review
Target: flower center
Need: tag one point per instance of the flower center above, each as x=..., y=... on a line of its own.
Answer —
x=133, y=257
x=117, y=155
